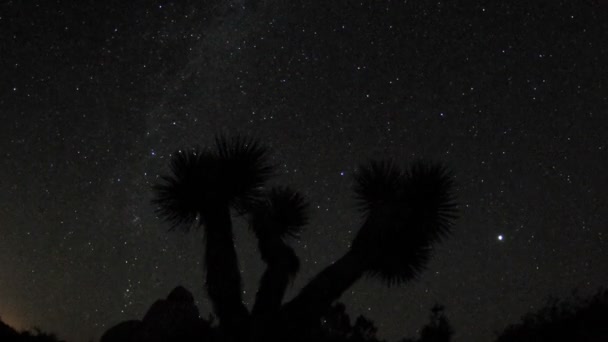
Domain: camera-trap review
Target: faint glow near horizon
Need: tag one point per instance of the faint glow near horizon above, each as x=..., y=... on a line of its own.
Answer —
x=11, y=321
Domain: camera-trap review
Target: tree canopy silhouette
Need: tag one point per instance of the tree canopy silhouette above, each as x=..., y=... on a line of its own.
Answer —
x=437, y=330
x=404, y=212
x=581, y=320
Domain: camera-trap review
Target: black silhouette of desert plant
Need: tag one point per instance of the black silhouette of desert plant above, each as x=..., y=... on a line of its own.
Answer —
x=283, y=213
x=437, y=330
x=335, y=326
x=204, y=186
x=404, y=213
x=576, y=319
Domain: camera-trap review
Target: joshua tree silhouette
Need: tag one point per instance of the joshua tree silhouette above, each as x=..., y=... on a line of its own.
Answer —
x=404, y=214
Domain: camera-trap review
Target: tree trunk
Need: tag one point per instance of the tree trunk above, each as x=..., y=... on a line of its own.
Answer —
x=316, y=297
x=223, y=278
x=282, y=264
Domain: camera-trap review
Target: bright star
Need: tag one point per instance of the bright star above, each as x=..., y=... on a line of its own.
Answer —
x=500, y=237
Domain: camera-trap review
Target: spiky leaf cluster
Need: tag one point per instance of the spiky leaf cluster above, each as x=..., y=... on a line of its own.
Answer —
x=202, y=181
x=377, y=183
x=429, y=188
x=405, y=213
x=178, y=197
x=282, y=213
x=244, y=168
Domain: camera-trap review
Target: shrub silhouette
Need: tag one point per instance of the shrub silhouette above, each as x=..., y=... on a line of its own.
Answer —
x=335, y=326
x=404, y=213
x=581, y=320
x=8, y=334
x=437, y=330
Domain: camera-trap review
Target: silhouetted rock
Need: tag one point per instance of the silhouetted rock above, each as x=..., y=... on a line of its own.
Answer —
x=180, y=294
x=123, y=332
x=173, y=319
x=7, y=333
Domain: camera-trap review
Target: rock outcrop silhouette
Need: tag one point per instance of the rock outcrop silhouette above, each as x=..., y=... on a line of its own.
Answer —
x=7, y=333
x=173, y=319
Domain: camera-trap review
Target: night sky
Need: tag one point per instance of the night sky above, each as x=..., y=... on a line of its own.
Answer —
x=96, y=95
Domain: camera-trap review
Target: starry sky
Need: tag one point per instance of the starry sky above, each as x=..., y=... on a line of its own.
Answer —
x=96, y=95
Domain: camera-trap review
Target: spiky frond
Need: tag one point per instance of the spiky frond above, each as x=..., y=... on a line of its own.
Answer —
x=377, y=183
x=202, y=180
x=429, y=189
x=282, y=213
x=401, y=262
x=181, y=196
x=406, y=212
x=244, y=170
